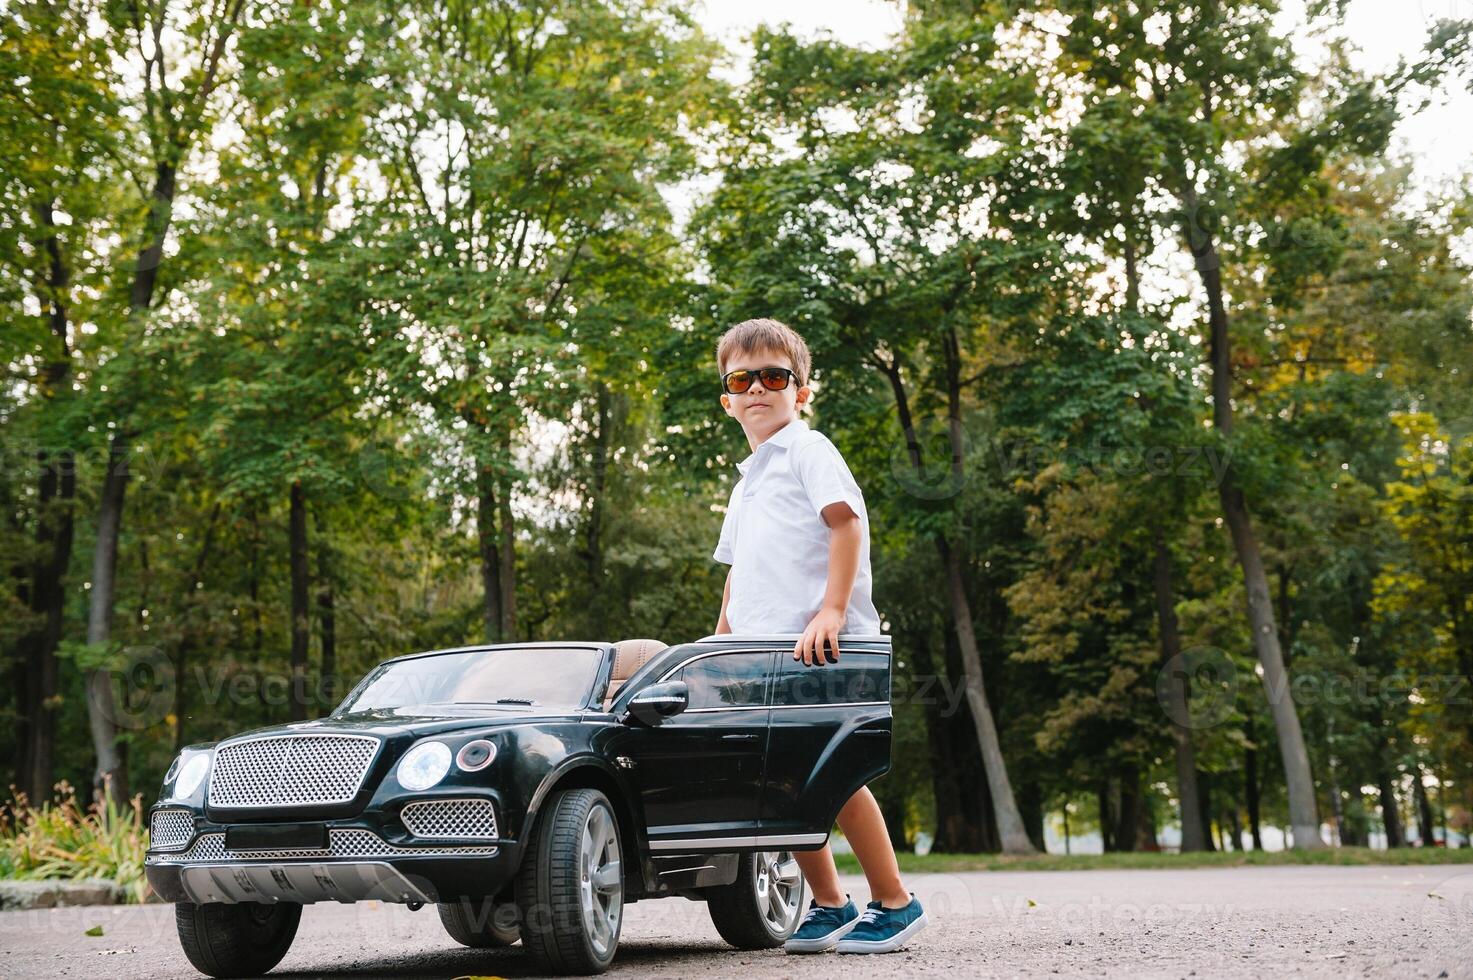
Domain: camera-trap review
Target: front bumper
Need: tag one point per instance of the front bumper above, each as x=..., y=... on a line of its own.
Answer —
x=357, y=865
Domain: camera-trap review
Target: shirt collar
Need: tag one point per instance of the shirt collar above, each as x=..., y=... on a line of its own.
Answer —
x=782, y=439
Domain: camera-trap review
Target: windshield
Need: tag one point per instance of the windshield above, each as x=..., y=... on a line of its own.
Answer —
x=537, y=678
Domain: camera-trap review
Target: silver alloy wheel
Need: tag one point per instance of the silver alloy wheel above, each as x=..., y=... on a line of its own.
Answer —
x=601, y=890
x=779, y=886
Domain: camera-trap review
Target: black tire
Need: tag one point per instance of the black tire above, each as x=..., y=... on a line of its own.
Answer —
x=242, y=940
x=741, y=916
x=550, y=885
x=481, y=923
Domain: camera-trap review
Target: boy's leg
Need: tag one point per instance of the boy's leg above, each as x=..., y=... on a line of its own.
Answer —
x=864, y=827
x=821, y=875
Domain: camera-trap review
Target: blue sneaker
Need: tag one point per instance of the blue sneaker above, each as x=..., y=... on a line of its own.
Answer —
x=822, y=926
x=882, y=930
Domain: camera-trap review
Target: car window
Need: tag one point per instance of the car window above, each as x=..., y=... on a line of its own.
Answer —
x=507, y=678
x=856, y=677
x=727, y=680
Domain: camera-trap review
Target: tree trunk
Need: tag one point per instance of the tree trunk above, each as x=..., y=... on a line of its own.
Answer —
x=1424, y=808
x=1204, y=811
x=110, y=777
x=1303, y=811
x=254, y=585
x=1005, y=807
x=508, y=557
x=942, y=769
x=301, y=623
x=486, y=537
x=1250, y=784
x=975, y=829
x=55, y=526
x=1009, y=821
x=1146, y=839
x=1030, y=804
x=326, y=618
x=1107, y=817
x=1192, y=838
x=1128, y=817
x=1390, y=814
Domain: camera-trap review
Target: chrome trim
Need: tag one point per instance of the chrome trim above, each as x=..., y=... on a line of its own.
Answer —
x=788, y=707
x=687, y=844
x=459, y=818
x=490, y=755
x=304, y=882
x=173, y=813
x=288, y=781
x=345, y=844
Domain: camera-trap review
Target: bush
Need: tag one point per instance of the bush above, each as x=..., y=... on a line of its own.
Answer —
x=62, y=840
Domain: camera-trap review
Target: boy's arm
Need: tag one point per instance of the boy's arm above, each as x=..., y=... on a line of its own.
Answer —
x=722, y=626
x=845, y=538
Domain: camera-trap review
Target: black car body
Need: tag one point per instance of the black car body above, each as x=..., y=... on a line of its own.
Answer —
x=713, y=757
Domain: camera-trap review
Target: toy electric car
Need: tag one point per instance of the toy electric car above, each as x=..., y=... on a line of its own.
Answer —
x=530, y=791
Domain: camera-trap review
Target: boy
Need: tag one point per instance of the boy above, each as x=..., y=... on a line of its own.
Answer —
x=797, y=540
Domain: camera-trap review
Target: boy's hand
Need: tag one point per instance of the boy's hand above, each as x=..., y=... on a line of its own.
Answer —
x=824, y=627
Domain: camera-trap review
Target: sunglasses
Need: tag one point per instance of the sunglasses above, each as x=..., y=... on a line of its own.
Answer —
x=771, y=378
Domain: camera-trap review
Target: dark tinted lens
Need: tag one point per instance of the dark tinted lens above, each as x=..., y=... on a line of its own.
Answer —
x=738, y=382
x=774, y=379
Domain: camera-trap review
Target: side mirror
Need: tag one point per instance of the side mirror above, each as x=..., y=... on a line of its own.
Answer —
x=658, y=701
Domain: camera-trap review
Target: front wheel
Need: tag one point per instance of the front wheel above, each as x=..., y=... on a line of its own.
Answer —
x=243, y=940
x=761, y=909
x=570, y=888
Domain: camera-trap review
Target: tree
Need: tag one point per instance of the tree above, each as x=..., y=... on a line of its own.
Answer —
x=522, y=153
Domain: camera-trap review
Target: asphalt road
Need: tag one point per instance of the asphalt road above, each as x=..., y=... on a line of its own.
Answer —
x=1239, y=922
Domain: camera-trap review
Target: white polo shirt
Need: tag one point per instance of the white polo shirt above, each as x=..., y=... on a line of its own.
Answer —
x=775, y=539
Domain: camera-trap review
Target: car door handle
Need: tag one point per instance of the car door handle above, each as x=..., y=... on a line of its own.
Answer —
x=873, y=731
x=740, y=738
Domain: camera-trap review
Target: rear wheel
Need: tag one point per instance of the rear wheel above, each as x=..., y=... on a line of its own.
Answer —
x=570, y=889
x=480, y=923
x=762, y=907
x=243, y=940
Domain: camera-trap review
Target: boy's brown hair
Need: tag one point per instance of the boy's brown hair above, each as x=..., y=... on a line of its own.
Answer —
x=751, y=336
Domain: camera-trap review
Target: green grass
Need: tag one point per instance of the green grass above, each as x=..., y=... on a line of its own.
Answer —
x=947, y=863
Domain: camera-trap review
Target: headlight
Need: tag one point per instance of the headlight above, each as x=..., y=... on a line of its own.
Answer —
x=424, y=765
x=191, y=775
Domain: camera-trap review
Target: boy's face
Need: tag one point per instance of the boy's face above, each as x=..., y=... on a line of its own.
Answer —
x=762, y=412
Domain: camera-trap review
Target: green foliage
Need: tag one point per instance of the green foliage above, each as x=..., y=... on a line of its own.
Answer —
x=63, y=840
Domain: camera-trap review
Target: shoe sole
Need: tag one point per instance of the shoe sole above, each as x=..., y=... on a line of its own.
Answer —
x=821, y=943
x=884, y=945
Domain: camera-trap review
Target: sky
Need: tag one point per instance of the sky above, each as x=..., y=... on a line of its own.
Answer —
x=1440, y=138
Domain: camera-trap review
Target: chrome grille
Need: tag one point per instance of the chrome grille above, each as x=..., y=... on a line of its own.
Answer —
x=291, y=770
x=451, y=819
x=169, y=830
x=341, y=844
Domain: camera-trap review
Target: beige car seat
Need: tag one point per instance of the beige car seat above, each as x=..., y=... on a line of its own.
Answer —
x=629, y=656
